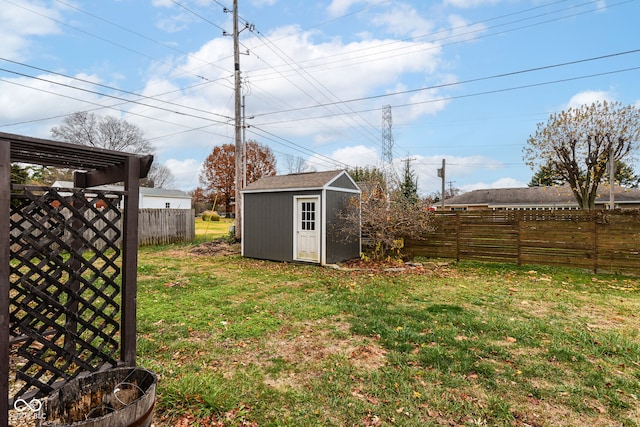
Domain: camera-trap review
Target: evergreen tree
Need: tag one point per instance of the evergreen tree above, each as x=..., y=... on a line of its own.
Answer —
x=409, y=186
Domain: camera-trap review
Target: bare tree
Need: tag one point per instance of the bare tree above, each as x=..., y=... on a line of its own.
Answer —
x=384, y=222
x=108, y=132
x=296, y=164
x=159, y=177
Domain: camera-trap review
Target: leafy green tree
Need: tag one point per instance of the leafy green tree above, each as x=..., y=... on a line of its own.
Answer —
x=578, y=143
x=19, y=174
x=625, y=175
x=368, y=174
x=546, y=176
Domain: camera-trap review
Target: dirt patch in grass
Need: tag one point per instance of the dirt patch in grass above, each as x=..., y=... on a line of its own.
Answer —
x=315, y=342
x=304, y=347
x=315, y=345
x=215, y=248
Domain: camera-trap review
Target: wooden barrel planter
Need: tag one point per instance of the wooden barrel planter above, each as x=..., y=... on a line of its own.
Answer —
x=119, y=397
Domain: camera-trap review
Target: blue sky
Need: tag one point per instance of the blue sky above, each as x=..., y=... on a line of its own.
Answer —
x=467, y=80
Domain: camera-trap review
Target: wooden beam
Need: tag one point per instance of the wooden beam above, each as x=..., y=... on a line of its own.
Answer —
x=110, y=175
x=130, y=260
x=5, y=271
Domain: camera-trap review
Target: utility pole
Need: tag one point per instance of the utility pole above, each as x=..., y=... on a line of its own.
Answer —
x=238, y=121
x=244, y=146
x=441, y=174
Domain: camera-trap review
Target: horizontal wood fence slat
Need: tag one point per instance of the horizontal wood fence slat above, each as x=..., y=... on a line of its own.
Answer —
x=602, y=241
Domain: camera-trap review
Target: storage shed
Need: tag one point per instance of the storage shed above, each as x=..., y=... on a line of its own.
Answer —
x=295, y=218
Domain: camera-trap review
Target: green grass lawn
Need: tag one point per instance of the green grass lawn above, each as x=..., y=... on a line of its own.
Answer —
x=241, y=342
x=209, y=230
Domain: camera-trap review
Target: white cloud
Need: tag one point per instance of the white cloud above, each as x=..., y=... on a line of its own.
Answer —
x=588, y=98
x=505, y=182
x=466, y=4
x=25, y=97
x=353, y=156
x=162, y=3
x=340, y=7
x=21, y=24
x=403, y=20
x=186, y=172
x=306, y=69
x=262, y=3
x=175, y=23
x=460, y=30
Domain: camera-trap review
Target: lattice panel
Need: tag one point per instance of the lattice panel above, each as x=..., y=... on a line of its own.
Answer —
x=65, y=273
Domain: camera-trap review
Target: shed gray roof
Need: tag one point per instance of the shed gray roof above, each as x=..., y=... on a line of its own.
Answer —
x=295, y=181
x=538, y=196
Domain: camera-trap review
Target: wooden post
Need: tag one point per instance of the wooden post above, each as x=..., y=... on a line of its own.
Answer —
x=5, y=287
x=457, y=236
x=130, y=261
x=595, y=242
x=518, y=224
x=73, y=286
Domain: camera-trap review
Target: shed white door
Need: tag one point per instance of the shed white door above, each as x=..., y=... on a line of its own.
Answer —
x=307, y=244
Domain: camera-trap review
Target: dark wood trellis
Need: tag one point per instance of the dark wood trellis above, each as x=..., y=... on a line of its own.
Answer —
x=68, y=270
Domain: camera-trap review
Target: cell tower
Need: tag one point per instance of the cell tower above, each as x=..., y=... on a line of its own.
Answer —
x=387, y=145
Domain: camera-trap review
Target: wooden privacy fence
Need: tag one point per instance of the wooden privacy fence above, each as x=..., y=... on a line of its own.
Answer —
x=155, y=226
x=163, y=226
x=602, y=241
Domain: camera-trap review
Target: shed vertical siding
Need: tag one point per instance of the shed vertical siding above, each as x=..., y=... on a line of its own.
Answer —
x=338, y=247
x=268, y=230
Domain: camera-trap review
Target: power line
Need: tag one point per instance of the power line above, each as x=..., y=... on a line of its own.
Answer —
x=198, y=15
x=120, y=98
x=445, y=85
x=280, y=140
x=316, y=84
x=153, y=98
x=165, y=45
x=107, y=40
x=91, y=103
x=379, y=55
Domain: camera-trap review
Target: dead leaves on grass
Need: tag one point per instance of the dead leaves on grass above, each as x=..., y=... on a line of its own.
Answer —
x=236, y=417
x=215, y=248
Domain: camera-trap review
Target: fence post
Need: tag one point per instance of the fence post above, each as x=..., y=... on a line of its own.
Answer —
x=518, y=224
x=595, y=243
x=457, y=236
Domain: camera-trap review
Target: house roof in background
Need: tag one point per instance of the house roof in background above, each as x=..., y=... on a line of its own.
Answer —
x=556, y=195
x=146, y=191
x=296, y=181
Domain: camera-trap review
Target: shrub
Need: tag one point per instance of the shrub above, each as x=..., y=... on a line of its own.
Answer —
x=210, y=216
